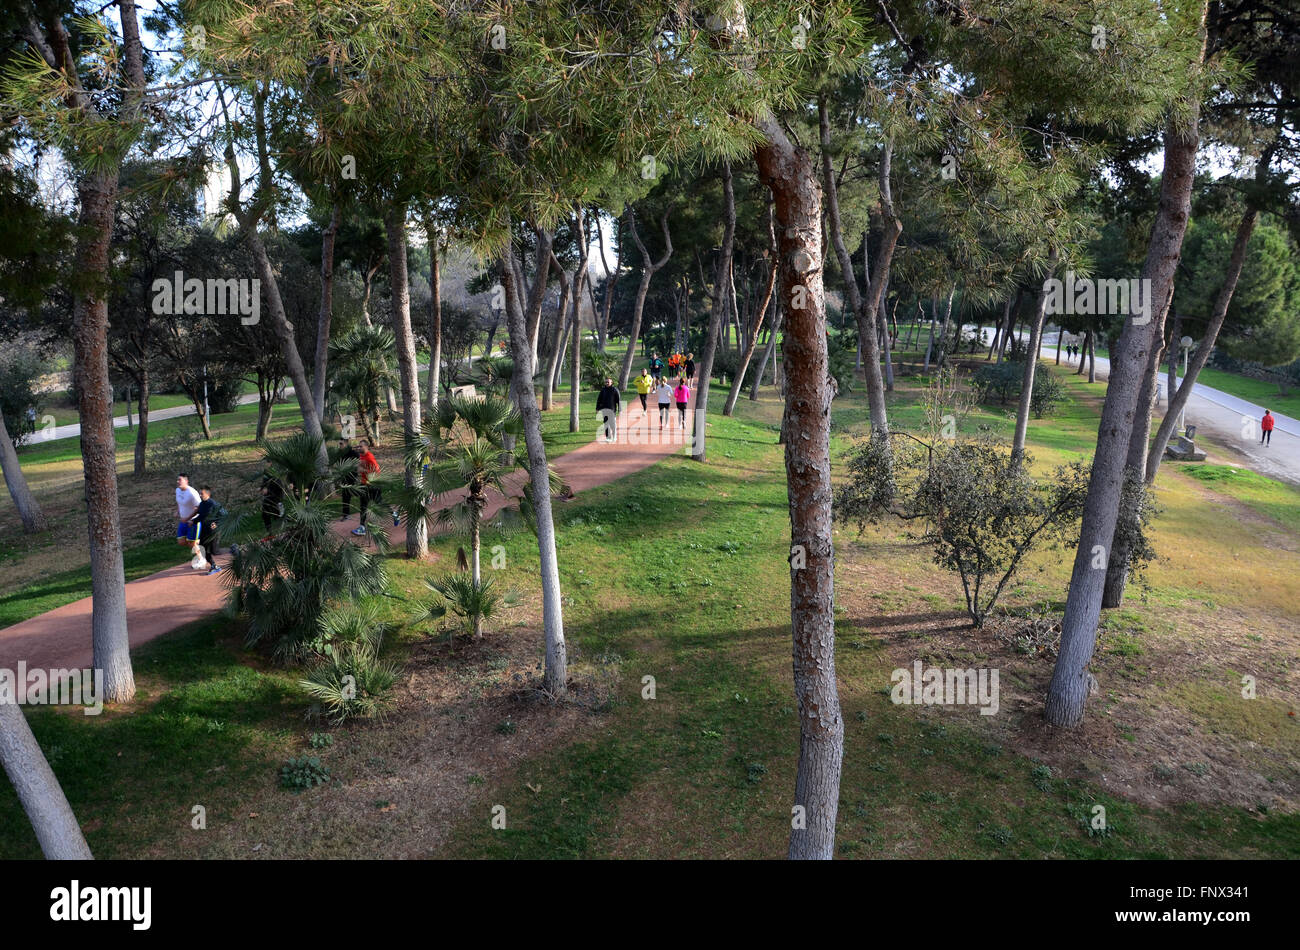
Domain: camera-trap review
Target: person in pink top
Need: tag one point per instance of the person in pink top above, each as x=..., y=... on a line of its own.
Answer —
x=682, y=395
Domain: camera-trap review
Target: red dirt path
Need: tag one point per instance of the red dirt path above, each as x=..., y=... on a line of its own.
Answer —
x=170, y=599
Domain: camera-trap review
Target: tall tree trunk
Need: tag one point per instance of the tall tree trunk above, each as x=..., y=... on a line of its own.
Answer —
x=1178, y=400
x=611, y=281
x=326, y=310
x=1092, y=357
x=141, y=463
x=789, y=173
x=768, y=352
x=1133, y=491
x=1068, y=690
x=417, y=531
x=579, y=278
x=717, y=317
x=311, y=420
x=557, y=339
x=750, y=346
x=1083, y=350
x=29, y=510
x=1031, y=367
x=39, y=790
x=435, y=313
x=864, y=310
x=98, y=197
x=649, y=268
x=555, y=677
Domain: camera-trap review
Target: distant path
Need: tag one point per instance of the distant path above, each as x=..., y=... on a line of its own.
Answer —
x=170, y=599
x=73, y=430
x=1218, y=415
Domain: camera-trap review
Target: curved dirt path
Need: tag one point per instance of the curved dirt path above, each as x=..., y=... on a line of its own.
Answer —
x=170, y=599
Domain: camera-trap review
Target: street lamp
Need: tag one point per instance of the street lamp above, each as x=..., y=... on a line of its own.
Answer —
x=1186, y=343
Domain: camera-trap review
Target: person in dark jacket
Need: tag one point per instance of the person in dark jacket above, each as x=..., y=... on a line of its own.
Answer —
x=656, y=365
x=272, y=500
x=207, y=517
x=690, y=367
x=607, y=404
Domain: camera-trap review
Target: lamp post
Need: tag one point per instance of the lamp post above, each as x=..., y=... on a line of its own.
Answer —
x=1186, y=343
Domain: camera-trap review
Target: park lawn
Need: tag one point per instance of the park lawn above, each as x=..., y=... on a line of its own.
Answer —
x=679, y=572
x=59, y=464
x=59, y=404
x=1259, y=391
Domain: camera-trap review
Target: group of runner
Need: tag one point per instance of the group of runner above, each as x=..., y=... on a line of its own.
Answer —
x=650, y=380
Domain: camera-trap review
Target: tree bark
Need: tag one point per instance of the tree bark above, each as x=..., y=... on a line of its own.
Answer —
x=140, y=462
x=1031, y=367
x=557, y=340
x=417, y=532
x=864, y=310
x=1068, y=690
x=39, y=790
x=648, y=269
x=555, y=677
x=326, y=310
x=29, y=510
x=579, y=277
x=1178, y=401
x=789, y=173
x=435, y=313
x=768, y=352
x=717, y=317
x=752, y=343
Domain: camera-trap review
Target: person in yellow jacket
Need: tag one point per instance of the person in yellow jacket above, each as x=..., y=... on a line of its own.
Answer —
x=643, y=385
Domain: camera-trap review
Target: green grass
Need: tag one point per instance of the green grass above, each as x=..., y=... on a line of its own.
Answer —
x=1258, y=391
x=678, y=572
x=64, y=588
x=205, y=728
x=1275, y=499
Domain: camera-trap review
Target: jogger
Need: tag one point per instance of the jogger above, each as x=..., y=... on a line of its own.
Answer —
x=607, y=405
x=1266, y=429
x=664, y=393
x=682, y=394
x=367, y=465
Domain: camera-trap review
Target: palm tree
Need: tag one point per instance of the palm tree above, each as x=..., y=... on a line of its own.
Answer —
x=283, y=584
x=359, y=365
x=470, y=444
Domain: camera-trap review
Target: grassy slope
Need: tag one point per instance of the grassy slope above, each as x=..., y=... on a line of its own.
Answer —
x=678, y=572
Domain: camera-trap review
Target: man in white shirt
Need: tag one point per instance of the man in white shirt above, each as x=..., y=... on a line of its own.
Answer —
x=187, y=505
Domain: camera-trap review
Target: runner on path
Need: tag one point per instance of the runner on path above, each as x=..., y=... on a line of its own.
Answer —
x=607, y=406
x=643, y=386
x=367, y=466
x=682, y=395
x=187, y=503
x=656, y=365
x=690, y=367
x=664, y=392
x=1266, y=428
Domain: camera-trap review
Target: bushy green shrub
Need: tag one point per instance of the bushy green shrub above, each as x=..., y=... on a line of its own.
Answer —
x=300, y=774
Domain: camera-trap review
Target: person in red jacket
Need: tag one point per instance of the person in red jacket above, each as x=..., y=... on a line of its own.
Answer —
x=367, y=465
x=1266, y=429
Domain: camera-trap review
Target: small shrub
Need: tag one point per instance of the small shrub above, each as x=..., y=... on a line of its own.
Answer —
x=303, y=773
x=319, y=740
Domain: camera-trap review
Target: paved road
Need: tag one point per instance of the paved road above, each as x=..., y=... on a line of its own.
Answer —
x=1228, y=421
